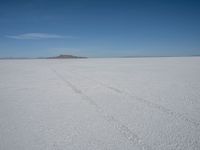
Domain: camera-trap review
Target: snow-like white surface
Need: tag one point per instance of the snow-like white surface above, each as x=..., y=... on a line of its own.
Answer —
x=106, y=104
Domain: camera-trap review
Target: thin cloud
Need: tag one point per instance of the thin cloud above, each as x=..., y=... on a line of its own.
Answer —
x=37, y=36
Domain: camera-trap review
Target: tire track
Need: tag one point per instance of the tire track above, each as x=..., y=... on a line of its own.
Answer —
x=161, y=108
x=123, y=129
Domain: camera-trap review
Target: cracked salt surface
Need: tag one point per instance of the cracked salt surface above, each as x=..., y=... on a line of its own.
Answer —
x=133, y=103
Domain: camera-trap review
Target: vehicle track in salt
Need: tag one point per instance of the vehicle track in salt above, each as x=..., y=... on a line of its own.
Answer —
x=123, y=129
x=161, y=108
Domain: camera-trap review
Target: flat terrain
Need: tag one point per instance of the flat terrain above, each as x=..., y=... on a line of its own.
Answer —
x=100, y=104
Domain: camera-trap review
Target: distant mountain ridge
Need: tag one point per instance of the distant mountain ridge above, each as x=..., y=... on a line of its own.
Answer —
x=64, y=57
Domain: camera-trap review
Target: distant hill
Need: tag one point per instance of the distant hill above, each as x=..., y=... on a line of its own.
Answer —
x=64, y=57
x=54, y=57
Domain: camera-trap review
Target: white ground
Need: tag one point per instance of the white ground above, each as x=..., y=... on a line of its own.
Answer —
x=107, y=104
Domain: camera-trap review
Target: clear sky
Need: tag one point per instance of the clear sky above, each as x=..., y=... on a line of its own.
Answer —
x=99, y=28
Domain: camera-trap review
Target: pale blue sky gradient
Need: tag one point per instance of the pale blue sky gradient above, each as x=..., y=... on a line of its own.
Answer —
x=106, y=28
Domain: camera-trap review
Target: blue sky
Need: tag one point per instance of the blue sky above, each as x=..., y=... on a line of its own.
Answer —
x=104, y=28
